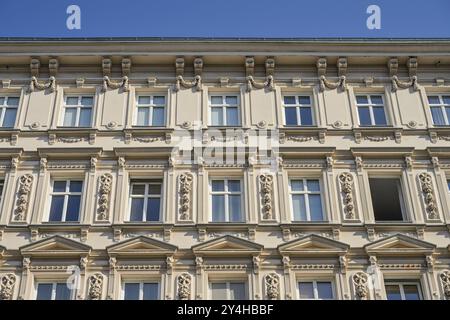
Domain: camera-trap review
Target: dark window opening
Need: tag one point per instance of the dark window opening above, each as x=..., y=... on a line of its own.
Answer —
x=386, y=199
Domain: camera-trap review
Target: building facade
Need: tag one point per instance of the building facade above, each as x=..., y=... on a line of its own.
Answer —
x=224, y=169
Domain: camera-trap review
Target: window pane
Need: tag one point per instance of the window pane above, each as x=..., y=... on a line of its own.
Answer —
x=297, y=185
x=154, y=189
x=12, y=101
x=324, y=290
x=143, y=116
x=44, y=291
x=131, y=291
x=234, y=185
x=70, y=117
x=380, y=117
x=313, y=185
x=2, y=101
x=306, y=116
x=56, y=208
x=315, y=207
x=299, y=206
x=150, y=291
x=73, y=101
x=411, y=292
x=433, y=100
x=138, y=189
x=153, y=205
x=234, y=207
x=216, y=116
x=87, y=101
x=447, y=111
x=289, y=100
x=85, y=117
x=216, y=100
x=76, y=186
x=291, y=116
x=10, y=118
x=218, y=208
x=438, y=116
x=218, y=185
x=137, y=209
x=62, y=292
x=73, y=208
x=237, y=291
x=159, y=100
x=306, y=290
x=232, y=116
x=144, y=100
x=158, y=116
x=219, y=291
x=231, y=100
x=364, y=116
x=376, y=99
x=362, y=100
x=304, y=100
x=59, y=186
x=393, y=292
x=446, y=99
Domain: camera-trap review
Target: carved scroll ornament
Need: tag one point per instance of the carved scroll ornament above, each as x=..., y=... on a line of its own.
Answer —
x=186, y=180
x=104, y=195
x=266, y=183
x=445, y=280
x=23, y=197
x=346, y=180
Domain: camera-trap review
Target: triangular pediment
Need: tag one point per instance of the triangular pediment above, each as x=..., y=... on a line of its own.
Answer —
x=55, y=246
x=313, y=245
x=227, y=245
x=399, y=244
x=141, y=246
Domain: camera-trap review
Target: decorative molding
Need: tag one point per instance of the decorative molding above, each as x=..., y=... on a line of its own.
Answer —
x=412, y=65
x=104, y=193
x=359, y=163
x=198, y=66
x=36, y=85
x=412, y=83
x=35, y=65
x=179, y=66
x=108, y=83
x=7, y=283
x=426, y=184
x=342, y=64
x=23, y=197
x=224, y=82
x=53, y=65
x=151, y=81
x=6, y=83
x=272, y=282
x=312, y=266
x=266, y=185
x=196, y=84
x=347, y=182
x=445, y=281
x=126, y=66
x=252, y=84
x=249, y=66
x=296, y=82
x=393, y=66
x=220, y=267
x=149, y=139
x=184, y=282
x=106, y=66
x=80, y=82
x=368, y=81
x=378, y=138
x=71, y=139
x=401, y=266
x=185, y=191
x=95, y=286
x=360, y=280
x=321, y=65
x=270, y=66
x=440, y=82
x=138, y=267
x=340, y=84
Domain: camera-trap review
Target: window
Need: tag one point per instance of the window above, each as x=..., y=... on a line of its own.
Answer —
x=2, y=184
x=315, y=290
x=228, y=290
x=224, y=110
x=226, y=200
x=448, y=184
x=150, y=111
x=386, y=199
x=440, y=109
x=145, y=200
x=371, y=110
x=298, y=111
x=141, y=291
x=78, y=111
x=53, y=291
x=306, y=200
x=66, y=200
x=8, y=111
x=402, y=290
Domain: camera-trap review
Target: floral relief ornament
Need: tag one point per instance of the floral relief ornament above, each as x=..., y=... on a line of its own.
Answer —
x=272, y=281
x=186, y=180
x=184, y=286
x=36, y=85
x=445, y=279
x=96, y=286
x=428, y=195
x=346, y=180
x=266, y=183
x=7, y=283
x=23, y=195
x=104, y=195
x=360, y=280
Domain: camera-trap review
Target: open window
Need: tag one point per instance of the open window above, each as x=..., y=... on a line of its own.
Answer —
x=387, y=200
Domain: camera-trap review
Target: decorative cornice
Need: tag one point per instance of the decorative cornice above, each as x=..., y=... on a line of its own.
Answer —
x=219, y=267
x=138, y=267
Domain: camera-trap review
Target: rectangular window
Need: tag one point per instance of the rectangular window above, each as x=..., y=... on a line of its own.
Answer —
x=145, y=200
x=228, y=290
x=224, y=110
x=226, y=204
x=141, y=291
x=8, y=111
x=78, y=111
x=386, y=199
x=151, y=111
x=298, y=110
x=440, y=109
x=371, y=110
x=306, y=200
x=402, y=290
x=53, y=291
x=66, y=200
x=315, y=290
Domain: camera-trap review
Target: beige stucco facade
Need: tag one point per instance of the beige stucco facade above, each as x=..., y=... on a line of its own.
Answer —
x=184, y=251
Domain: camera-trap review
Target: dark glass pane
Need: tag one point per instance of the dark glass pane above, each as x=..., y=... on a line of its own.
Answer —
x=44, y=291
x=231, y=100
x=73, y=101
x=218, y=185
x=59, y=186
x=138, y=189
x=237, y=291
x=12, y=101
x=324, y=290
x=151, y=291
x=234, y=185
x=10, y=118
x=433, y=100
x=85, y=117
x=87, y=101
x=56, y=208
x=291, y=116
x=306, y=290
x=304, y=100
x=159, y=100
x=154, y=189
x=144, y=100
x=393, y=292
x=137, y=209
x=297, y=185
x=446, y=99
x=289, y=100
x=364, y=116
x=62, y=292
x=386, y=199
x=376, y=99
x=313, y=185
x=153, y=205
x=219, y=291
x=232, y=116
x=306, y=116
x=362, y=100
x=411, y=292
x=380, y=117
x=315, y=207
x=76, y=186
x=234, y=206
x=299, y=206
x=131, y=291
x=438, y=116
x=73, y=208
x=218, y=208
x=447, y=111
x=158, y=116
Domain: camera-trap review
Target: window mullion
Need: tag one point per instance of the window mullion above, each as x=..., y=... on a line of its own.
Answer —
x=150, y=115
x=299, y=120
x=372, y=117
x=144, y=214
x=224, y=115
x=444, y=112
x=3, y=112
x=316, y=293
x=53, y=291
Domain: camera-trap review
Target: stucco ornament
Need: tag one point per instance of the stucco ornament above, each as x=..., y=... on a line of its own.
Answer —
x=196, y=84
x=325, y=83
x=445, y=279
x=346, y=180
x=23, y=197
x=7, y=284
x=36, y=85
x=104, y=195
x=95, y=286
x=252, y=84
x=360, y=280
x=428, y=195
x=184, y=286
x=266, y=183
x=272, y=282
x=186, y=180
x=412, y=83
x=108, y=83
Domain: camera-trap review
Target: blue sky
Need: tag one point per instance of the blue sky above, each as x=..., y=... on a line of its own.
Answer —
x=226, y=18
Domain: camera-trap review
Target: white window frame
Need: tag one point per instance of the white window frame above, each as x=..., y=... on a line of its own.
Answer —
x=141, y=288
x=400, y=195
x=79, y=106
x=370, y=105
x=151, y=106
x=307, y=193
x=297, y=107
x=5, y=106
x=226, y=194
x=442, y=105
x=146, y=196
x=227, y=283
x=401, y=284
x=315, y=291
x=54, y=284
x=224, y=106
x=66, y=195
